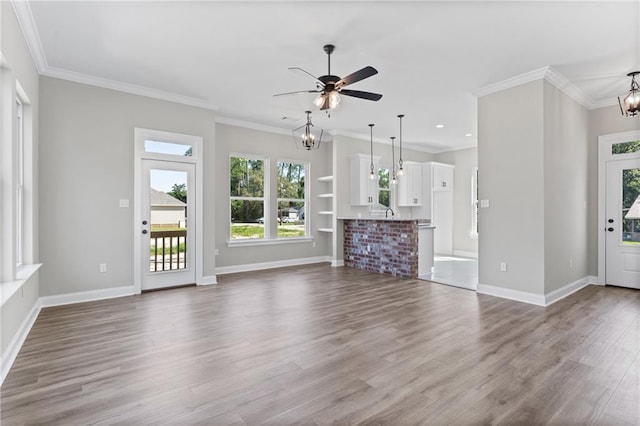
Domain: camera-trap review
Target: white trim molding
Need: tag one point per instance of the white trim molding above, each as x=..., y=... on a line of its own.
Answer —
x=550, y=74
x=533, y=298
x=337, y=263
x=507, y=293
x=271, y=265
x=87, y=296
x=8, y=358
x=208, y=280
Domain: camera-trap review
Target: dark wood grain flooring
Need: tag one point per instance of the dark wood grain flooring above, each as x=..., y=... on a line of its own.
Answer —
x=317, y=345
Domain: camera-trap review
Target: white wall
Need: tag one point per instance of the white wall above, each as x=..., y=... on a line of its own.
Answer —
x=87, y=144
x=466, y=161
x=566, y=172
x=510, y=164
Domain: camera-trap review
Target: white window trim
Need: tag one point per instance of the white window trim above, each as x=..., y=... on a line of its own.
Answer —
x=474, y=204
x=19, y=184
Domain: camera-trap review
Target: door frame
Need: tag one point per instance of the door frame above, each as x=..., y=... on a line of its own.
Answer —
x=140, y=135
x=604, y=156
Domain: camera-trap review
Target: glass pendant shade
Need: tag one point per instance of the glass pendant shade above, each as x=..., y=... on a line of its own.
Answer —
x=329, y=100
x=308, y=136
x=630, y=104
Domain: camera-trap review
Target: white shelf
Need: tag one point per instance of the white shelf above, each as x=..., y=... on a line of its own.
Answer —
x=325, y=230
x=325, y=178
x=325, y=212
x=325, y=195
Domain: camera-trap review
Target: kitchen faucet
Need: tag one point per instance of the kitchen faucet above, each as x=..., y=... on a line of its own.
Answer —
x=386, y=212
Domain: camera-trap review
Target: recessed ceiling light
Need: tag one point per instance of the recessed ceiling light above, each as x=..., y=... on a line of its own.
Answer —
x=439, y=126
x=468, y=134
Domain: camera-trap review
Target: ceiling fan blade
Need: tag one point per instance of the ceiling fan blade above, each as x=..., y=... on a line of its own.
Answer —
x=362, y=95
x=307, y=73
x=297, y=92
x=357, y=76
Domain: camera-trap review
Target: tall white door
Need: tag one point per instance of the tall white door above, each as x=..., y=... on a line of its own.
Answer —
x=622, y=223
x=167, y=227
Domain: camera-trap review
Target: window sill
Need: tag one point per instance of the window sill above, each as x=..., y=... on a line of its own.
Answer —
x=9, y=288
x=262, y=242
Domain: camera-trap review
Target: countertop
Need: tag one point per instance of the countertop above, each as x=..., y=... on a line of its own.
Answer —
x=388, y=219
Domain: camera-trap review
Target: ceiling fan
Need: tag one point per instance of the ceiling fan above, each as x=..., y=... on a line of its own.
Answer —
x=330, y=87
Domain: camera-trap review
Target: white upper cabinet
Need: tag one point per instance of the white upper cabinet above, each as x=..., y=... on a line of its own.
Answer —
x=442, y=177
x=364, y=190
x=410, y=192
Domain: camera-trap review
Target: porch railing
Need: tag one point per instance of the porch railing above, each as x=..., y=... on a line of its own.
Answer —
x=168, y=250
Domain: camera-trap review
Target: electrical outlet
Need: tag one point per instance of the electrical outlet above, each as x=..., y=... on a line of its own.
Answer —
x=124, y=203
x=216, y=252
x=503, y=266
x=570, y=263
x=484, y=204
x=313, y=244
x=103, y=267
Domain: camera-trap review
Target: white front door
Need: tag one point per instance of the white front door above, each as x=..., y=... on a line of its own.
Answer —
x=167, y=224
x=622, y=227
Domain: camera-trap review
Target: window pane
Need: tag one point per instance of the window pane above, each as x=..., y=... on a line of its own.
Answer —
x=290, y=180
x=291, y=216
x=383, y=178
x=158, y=147
x=625, y=147
x=247, y=177
x=247, y=219
x=383, y=197
x=631, y=206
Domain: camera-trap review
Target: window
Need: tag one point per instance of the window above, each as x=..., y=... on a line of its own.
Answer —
x=625, y=147
x=168, y=148
x=291, y=199
x=474, y=203
x=247, y=200
x=19, y=179
x=384, y=192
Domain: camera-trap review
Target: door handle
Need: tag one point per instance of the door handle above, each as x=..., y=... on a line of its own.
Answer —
x=144, y=231
x=610, y=229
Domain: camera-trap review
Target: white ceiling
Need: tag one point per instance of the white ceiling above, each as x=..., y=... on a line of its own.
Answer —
x=431, y=56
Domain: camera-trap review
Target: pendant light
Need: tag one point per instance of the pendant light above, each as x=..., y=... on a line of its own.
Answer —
x=372, y=175
x=400, y=168
x=308, y=136
x=630, y=104
x=394, y=179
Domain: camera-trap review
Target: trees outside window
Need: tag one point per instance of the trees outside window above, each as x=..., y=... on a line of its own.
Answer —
x=247, y=180
x=291, y=199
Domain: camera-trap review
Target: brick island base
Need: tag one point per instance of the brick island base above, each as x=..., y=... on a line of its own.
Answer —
x=383, y=246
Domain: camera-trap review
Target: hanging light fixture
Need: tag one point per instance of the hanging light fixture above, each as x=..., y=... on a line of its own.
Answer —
x=372, y=175
x=394, y=179
x=630, y=104
x=400, y=169
x=308, y=136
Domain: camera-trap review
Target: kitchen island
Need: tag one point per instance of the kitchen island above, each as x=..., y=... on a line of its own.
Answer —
x=388, y=245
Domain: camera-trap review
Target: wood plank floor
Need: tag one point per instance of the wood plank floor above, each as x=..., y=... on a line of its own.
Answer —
x=316, y=345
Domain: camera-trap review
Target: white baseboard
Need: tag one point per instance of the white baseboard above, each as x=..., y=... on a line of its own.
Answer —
x=270, y=265
x=337, y=263
x=595, y=280
x=208, y=280
x=7, y=359
x=566, y=290
x=469, y=254
x=537, y=299
x=86, y=296
x=507, y=293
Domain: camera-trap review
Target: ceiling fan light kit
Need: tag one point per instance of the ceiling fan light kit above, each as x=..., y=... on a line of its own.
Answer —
x=630, y=104
x=308, y=136
x=329, y=87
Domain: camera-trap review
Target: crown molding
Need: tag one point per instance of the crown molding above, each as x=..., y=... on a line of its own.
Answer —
x=127, y=88
x=31, y=36
x=548, y=73
x=605, y=103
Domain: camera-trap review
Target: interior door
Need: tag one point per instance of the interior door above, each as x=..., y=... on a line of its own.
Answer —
x=168, y=224
x=622, y=250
